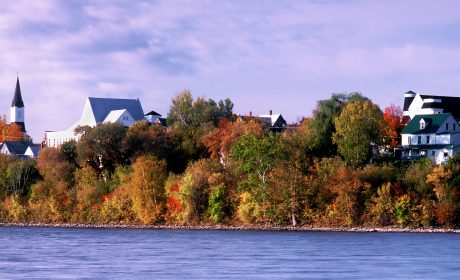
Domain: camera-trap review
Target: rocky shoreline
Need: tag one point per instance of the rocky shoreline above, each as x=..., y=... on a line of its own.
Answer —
x=234, y=227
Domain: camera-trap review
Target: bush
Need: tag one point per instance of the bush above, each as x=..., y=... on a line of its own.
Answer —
x=248, y=209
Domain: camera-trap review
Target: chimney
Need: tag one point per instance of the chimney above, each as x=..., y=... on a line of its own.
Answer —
x=270, y=112
x=250, y=113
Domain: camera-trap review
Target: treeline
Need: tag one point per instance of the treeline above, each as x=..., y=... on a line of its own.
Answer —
x=210, y=166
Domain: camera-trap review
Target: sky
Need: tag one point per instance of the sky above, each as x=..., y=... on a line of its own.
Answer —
x=262, y=54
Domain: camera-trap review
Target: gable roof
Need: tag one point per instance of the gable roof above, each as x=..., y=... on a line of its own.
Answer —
x=115, y=115
x=102, y=107
x=153, y=113
x=434, y=122
x=17, y=147
x=17, y=99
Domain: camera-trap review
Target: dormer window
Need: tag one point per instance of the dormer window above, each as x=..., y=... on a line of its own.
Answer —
x=422, y=124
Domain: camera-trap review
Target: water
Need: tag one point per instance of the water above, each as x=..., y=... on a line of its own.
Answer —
x=44, y=253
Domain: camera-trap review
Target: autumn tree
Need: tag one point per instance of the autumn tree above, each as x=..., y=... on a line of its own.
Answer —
x=147, y=186
x=50, y=198
x=394, y=124
x=11, y=132
x=144, y=139
x=220, y=140
x=358, y=125
x=189, y=121
x=256, y=156
x=447, y=195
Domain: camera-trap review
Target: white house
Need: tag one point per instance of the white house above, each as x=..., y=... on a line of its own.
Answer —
x=436, y=136
x=274, y=122
x=96, y=111
x=420, y=104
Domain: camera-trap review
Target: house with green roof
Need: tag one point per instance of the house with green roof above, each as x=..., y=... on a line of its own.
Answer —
x=435, y=136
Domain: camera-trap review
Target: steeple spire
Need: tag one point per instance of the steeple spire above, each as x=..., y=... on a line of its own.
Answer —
x=17, y=99
x=17, y=108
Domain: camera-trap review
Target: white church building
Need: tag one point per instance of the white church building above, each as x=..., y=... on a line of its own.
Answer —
x=97, y=111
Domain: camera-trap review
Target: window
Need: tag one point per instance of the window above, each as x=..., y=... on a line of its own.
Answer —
x=428, y=139
x=408, y=140
x=433, y=153
x=446, y=154
x=422, y=125
x=419, y=140
x=447, y=126
x=454, y=126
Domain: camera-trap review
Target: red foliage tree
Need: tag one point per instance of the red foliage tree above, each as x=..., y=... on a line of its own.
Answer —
x=393, y=116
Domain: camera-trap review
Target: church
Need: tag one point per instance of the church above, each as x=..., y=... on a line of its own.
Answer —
x=103, y=110
x=14, y=140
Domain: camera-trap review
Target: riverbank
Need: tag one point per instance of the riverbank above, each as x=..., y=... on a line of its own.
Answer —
x=233, y=227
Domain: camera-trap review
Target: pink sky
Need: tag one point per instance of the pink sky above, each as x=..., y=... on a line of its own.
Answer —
x=279, y=55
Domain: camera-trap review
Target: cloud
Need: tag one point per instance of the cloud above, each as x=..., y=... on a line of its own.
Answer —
x=283, y=56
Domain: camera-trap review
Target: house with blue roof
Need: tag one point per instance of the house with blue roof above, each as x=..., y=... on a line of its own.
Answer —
x=435, y=136
x=97, y=111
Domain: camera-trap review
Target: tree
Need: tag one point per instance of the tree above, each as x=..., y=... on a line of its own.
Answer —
x=181, y=108
x=358, y=125
x=322, y=127
x=147, y=186
x=220, y=140
x=16, y=176
x=10, y=132
x=393, y=117
x=189, y=121
x=189, y=112
x=144, y=139
x=256, y=156
x=102, y=146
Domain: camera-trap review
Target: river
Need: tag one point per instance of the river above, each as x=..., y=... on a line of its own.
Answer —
x=80, y=253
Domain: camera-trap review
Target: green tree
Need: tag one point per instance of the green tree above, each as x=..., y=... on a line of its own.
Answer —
x=358, y=125
x=256, y=156
x=102, y=146
x=322, y=126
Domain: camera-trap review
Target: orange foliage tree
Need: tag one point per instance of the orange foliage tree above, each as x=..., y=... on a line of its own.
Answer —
x=220, y=140
x=10, y=132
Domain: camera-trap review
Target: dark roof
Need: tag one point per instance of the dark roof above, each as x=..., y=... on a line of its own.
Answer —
x=434, y=121
x=17, y=99
x=17, y=147
x=434, y=105
x=152, y=113
x=162, y=121
x=408, y=100
x=450, y=104
x=103, y=106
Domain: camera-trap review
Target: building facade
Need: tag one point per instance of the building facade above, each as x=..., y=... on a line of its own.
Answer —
x=434, y=136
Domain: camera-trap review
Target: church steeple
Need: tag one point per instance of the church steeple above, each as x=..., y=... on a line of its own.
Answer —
x=17, y=108
x=17, y=99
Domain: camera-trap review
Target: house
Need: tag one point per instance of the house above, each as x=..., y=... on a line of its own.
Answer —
x=274, y=122
x=22, y=149
x=435, y=136
x=97, y=111
x=420, y=104
x=154, y=118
